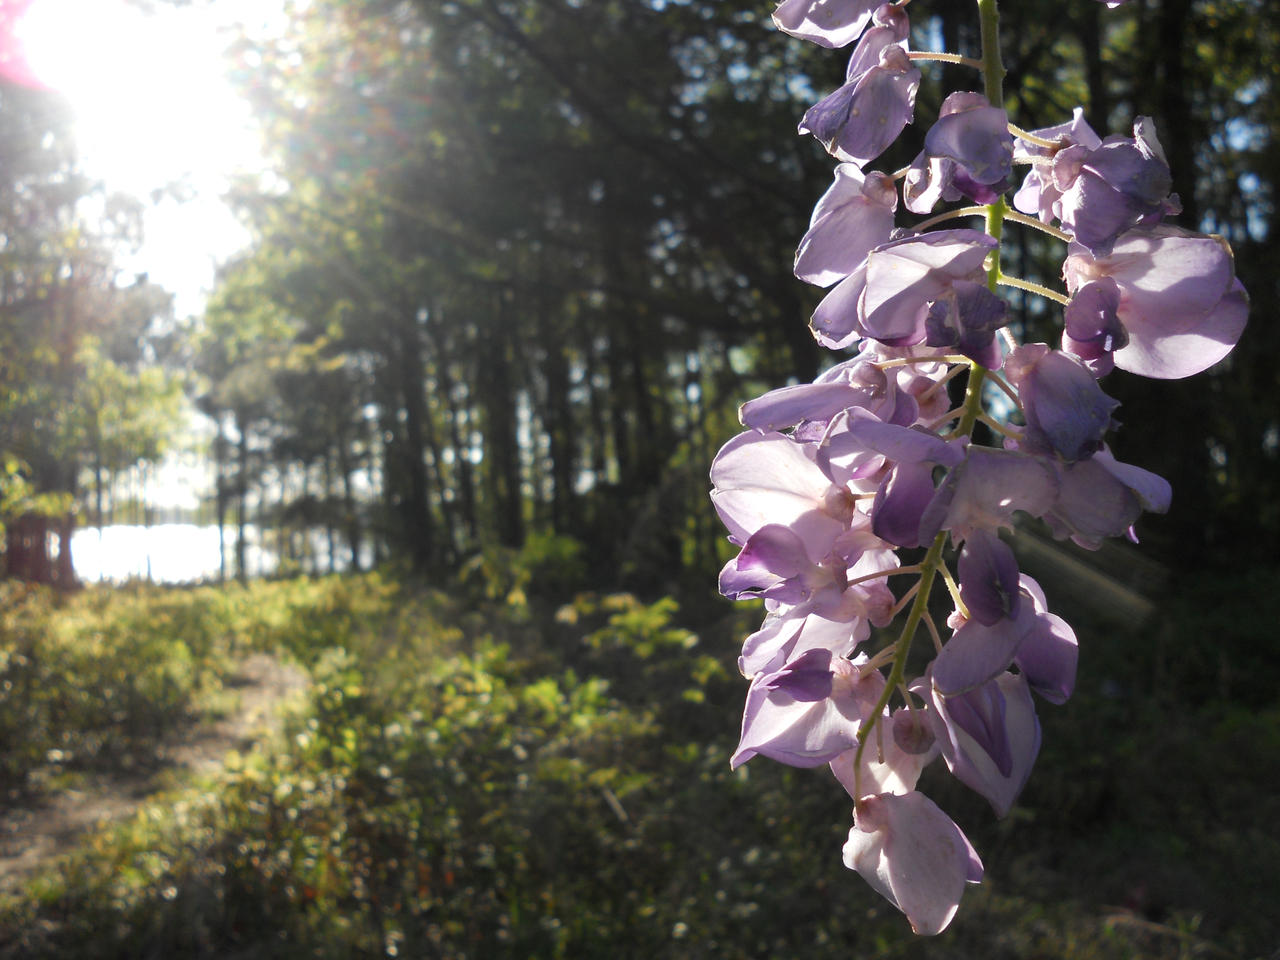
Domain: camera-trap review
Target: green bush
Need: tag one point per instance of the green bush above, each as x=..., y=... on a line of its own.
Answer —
x=98, y=677
x=472, y=780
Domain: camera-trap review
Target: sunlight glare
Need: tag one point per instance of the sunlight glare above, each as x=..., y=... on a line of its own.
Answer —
x=156, y=116
x=150, y=94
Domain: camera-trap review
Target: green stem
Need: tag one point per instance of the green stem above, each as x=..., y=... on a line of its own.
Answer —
x=993, y=86
x=1040, y=225
x=928, y=570
x=1032, y=138
x=1000, y=428
x=1039, y=290
x=992, y=65
x=951, y=215
x=883, y=573
x=1008, y=214
x=953, y=588
x=993, y=80
x=945, y=58
x=972, y=400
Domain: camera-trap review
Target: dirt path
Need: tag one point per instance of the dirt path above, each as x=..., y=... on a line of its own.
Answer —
x=32, y=836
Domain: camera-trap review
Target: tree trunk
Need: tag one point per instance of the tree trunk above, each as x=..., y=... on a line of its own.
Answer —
x=502, y=469
x=1178, y=133
x=350, y=514
x=415, y=508
x=242, y=491
x=330, y=528
x=64, y=573
x=558, y=420
x=220, y=496
x=465, y=483
x=1089, y=31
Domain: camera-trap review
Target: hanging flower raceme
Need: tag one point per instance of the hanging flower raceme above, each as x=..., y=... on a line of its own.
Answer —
x=832, y=480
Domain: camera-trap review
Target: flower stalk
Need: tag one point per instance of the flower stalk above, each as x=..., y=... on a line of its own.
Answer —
x=831, y=479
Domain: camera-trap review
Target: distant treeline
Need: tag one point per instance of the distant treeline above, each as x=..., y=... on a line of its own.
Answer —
x=520, y=260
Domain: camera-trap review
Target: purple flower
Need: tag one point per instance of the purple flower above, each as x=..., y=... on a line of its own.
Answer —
x=812, y=403
x=990, y=737
x=762, y=479
x=968, y=152
x=903, y=394
x=1039, y=194
x=1181, y=307
x=976, y=654
x=913, y=855
x=889, y=295
x=892, y=764
x=782, y=638
x=1047, y=656
x=844, y=456
x=908, y=488
x=859, y=120
x=807, y=713
x=984, y=492
x=891, y=27
x=966, y=319
x=901, y=499
x=854, y=215
x=1009, y=624
x=1067, y=412
x=1092, y=329
x=869, y=463
x=857, y=383
x=775, y=564
x=1100, y=498
x=1098, y=189
x=828, y=23
x=903, y=444
x=1124, y=183
x=988, y=576
x=916, y=380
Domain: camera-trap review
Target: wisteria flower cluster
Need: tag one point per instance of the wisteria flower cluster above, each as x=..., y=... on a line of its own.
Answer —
x=870, y=473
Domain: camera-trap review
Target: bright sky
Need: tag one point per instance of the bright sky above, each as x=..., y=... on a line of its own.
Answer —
x=153, y=107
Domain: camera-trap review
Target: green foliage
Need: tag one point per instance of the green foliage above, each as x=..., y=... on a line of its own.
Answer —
x=98, y=678
x=546, y=565
x=18, y=497
x=642, y=629
x=638, y=645
x=469, y=778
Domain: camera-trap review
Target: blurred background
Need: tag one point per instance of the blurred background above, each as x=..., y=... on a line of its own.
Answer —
x=467, y=293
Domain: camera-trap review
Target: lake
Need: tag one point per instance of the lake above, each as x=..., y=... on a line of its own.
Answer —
x=176, y=552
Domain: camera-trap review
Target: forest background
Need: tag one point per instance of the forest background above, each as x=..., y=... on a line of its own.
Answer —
x=514, y=266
